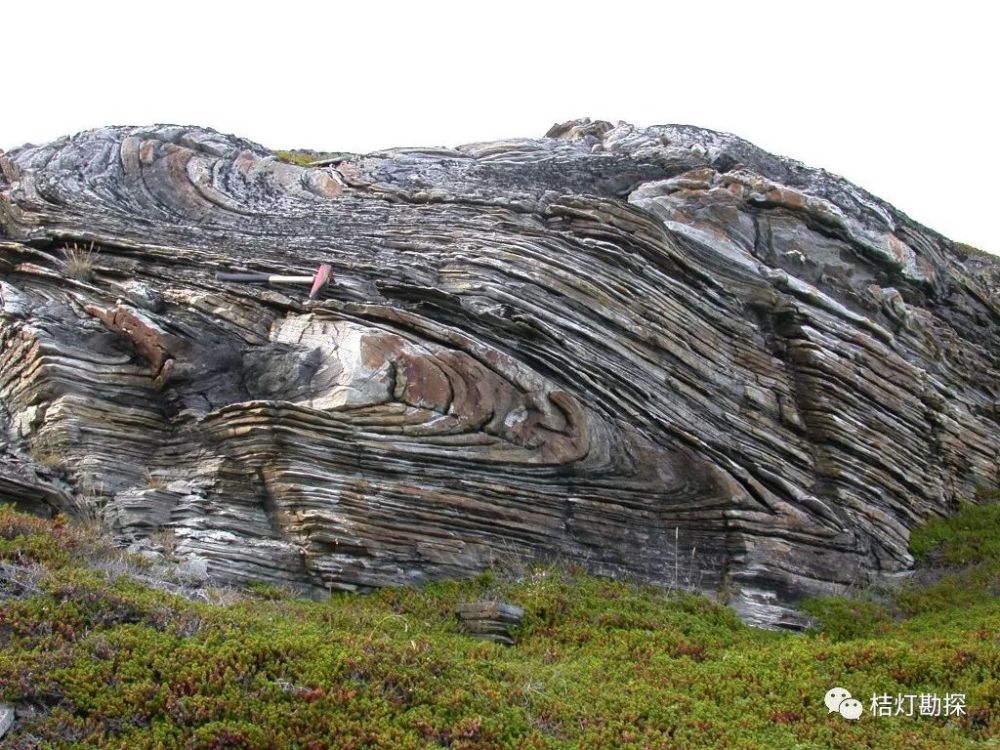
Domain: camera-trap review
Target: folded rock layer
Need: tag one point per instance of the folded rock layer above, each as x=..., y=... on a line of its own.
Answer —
x=661, y=353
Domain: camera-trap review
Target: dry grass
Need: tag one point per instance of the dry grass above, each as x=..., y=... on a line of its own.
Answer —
x=46, y=450
x=156, y=481
x=78, y=261
x=164, y=540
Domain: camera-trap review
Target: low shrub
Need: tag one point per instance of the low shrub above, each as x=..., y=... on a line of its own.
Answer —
x=97, y=662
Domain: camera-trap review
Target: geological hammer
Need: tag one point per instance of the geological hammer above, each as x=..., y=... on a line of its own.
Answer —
x=318, y=280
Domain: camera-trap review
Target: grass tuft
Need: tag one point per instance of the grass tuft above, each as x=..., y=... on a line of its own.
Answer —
x=78, y=261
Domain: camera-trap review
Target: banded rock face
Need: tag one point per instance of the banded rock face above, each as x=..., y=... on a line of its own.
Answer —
x=660, y=352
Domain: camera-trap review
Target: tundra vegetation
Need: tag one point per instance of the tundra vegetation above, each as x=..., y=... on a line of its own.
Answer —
x=95, y=654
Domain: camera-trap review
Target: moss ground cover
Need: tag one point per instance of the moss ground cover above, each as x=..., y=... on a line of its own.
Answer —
x=94, y=660
x=301, y=158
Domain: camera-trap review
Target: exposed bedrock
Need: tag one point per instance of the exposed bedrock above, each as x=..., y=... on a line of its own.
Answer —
x=661, y=353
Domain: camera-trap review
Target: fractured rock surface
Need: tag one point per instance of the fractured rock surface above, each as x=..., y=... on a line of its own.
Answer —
x=659, y=352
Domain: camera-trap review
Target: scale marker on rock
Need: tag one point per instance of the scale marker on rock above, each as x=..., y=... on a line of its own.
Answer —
x=317, y=281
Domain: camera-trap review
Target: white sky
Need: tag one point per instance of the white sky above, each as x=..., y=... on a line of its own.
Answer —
x=901, y=99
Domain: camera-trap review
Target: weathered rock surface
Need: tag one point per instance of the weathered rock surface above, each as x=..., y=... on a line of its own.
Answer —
x=6, y=718
x=660, y=352
x=489, y=620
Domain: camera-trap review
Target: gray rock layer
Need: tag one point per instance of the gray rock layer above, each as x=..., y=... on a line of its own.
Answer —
x=6, y=718
x=659, y=352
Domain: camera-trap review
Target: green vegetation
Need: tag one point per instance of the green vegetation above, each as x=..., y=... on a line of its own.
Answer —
x=972, y=536
x=302, y=158
x=97, y=660
x=973, y=250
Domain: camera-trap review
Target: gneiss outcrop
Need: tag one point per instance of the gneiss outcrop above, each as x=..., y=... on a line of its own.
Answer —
x=660, y=352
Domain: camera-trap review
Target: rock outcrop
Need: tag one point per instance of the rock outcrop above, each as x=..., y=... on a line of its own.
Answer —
x=662, y=353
